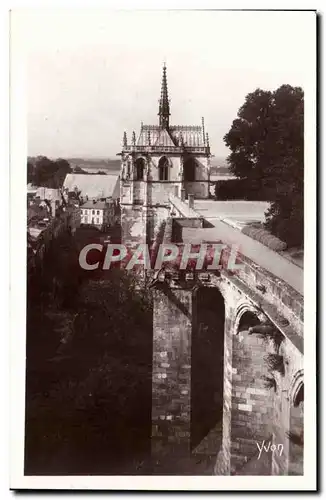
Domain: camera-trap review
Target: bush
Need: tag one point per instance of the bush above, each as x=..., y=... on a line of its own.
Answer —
x=258, y=233
x=239, y=189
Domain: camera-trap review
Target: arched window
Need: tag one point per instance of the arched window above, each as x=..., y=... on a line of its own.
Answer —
x=190, y=170
x=163, y=169
x=140, y=168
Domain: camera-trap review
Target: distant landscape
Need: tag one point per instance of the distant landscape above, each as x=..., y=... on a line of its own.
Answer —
x=112, y=165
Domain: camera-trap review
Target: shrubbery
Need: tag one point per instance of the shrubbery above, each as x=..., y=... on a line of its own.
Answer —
x=89, y=356
x=267, y=143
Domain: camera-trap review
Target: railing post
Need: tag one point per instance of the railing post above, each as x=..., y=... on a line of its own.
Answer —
x=191, y=198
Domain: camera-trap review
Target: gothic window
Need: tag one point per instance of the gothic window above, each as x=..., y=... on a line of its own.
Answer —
x=190, y=170
x=163, y=169
x=140, y=168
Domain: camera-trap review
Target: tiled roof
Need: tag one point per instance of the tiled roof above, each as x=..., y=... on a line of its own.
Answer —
x=99, y=205
x=93, y=186
x=191, y=136
x=48, y=193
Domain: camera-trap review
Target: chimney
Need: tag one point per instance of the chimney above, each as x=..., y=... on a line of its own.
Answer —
x=183, y=194
x=191, y=198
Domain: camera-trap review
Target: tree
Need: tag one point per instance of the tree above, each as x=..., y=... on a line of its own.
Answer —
x=62, y=169
x=266, y=142
x=79, y=170
x=50, y=173
x=30, y=172
x=89, y=365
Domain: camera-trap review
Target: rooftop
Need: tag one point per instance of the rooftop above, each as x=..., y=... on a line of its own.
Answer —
x=94, y=186
x=99, y=205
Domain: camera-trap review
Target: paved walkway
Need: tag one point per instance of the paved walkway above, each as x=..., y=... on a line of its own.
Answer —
x=239, y=211
x=257, y=252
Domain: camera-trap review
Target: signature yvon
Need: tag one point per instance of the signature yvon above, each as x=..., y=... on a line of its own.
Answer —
x=269, y=447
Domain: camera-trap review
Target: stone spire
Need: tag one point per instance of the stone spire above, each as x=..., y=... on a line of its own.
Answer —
x=203, y=129
x=164, y=107
x=124, y=140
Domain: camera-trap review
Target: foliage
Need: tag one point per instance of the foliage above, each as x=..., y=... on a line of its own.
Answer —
x=237, y=189
x=275, y=362
x=79, y=170
x=275, y=337
x=48, y=173
x=266, y=142
x=269, y=382
x=30, y=172
x=89, y=355
x=257, y=232
x=295, y=438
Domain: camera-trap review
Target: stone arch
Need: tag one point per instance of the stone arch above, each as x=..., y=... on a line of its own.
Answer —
x=296, y=383
x=296, y=425
x=140, y=168
x=163, y=168
x=252, y=402
x=244, y=311
x=207, y=372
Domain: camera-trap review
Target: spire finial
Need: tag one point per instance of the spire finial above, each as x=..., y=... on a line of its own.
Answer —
x=203, y=128
x=207, y=140
x=133, y=140
x=124, y=139
x=164, y=107
x=149, y=137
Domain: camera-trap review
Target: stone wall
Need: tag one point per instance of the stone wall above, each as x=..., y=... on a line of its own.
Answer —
x=171, y=383
x=255, y=415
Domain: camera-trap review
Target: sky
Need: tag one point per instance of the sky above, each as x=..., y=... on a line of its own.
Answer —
x=91, y=74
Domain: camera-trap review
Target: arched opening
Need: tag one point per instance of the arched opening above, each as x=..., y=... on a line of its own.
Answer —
x=248, y=320
x=295, y=434
x=207, y=365
x=163, y=169
x=189, y=169
x=252, y=402
x=140, y=169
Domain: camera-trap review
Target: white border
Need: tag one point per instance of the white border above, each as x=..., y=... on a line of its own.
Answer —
x=18, y=291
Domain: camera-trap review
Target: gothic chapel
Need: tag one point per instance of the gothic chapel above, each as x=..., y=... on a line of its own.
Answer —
x=164, y=160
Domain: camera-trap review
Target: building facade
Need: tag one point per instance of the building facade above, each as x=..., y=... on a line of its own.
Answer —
x=165, y=159
x=100, y=214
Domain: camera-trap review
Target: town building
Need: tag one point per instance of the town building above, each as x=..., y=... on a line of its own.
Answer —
x=101, y=214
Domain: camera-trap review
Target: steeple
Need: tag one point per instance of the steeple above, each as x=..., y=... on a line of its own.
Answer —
x=164, y=107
